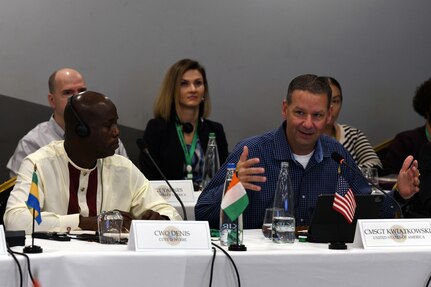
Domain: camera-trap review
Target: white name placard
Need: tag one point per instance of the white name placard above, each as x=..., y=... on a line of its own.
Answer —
x=3, y=250
x=146, y=235
x=184, y=189
x=387, y=233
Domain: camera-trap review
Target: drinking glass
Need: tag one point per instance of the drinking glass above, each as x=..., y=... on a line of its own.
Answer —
x=371, y=173
x=267, y=221
x=110, y=224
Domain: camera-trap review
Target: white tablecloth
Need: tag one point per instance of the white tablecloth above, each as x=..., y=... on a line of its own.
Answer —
x=78, y=263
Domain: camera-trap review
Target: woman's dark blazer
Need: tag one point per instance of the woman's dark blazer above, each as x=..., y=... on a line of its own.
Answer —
x=161, y=139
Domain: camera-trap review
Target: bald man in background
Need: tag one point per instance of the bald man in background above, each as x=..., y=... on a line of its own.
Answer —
x=62, y=84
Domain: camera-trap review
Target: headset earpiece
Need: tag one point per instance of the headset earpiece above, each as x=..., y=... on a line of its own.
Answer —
x=81, y=128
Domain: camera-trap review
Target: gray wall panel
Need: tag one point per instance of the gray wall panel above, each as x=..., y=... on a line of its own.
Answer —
x=377, y=49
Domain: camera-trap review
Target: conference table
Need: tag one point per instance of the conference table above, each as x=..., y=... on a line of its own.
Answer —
x=79, y=263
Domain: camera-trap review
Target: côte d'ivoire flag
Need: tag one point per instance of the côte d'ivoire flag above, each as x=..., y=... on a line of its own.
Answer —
x=33, y=198
x=235, y=199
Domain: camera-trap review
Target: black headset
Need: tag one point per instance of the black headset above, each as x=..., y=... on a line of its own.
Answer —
x=81, y=128
x=186, y=127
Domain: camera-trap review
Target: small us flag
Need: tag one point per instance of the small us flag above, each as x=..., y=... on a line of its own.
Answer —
x=344, y=200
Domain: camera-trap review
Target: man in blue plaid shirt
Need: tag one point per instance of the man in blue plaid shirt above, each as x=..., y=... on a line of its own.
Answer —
x=299, y=141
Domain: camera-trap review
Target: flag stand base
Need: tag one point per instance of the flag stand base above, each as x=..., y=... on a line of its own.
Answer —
x=237, y=247
x=33, y=249
x=337, y=245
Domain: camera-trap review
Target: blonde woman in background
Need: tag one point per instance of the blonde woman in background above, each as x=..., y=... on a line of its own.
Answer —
x=177, y=136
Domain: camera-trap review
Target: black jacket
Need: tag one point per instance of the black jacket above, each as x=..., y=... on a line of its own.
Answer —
x=161, y=139
x=419, y=206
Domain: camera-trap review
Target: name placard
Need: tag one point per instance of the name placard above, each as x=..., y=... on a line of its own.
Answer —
x=3, y=250
x=387, y=233
x=184, y=189
x=146, y=235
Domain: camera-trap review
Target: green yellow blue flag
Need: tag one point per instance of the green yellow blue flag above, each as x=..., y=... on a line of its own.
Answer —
x=33, y=198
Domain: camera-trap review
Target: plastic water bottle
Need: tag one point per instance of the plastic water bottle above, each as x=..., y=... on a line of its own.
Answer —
x=211, y=161
x=283, y=220
x=228, y=228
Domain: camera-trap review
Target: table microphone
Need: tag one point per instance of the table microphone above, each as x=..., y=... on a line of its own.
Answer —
x=341, y=160
x=142, y=146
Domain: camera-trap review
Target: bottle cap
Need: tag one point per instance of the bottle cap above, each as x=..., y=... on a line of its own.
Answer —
x=212, y=135
x=231, y=165
x=302, y=238
x=284, y=164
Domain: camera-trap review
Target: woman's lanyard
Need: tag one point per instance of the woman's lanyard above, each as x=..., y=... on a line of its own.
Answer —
x=188, y=154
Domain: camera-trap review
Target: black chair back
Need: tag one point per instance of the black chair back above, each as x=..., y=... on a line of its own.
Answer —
x=5, y=189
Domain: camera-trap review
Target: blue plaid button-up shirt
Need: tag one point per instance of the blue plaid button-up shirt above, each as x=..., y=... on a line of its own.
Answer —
x=272, y=148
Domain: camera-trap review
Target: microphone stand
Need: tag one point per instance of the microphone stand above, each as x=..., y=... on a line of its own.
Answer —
x=337, y=245
x=32, y=248
x=147, y=152
x=397, y=215
x=339, y=159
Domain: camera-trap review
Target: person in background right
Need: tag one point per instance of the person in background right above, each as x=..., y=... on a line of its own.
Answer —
x=410, y=142
x=419, y=206
x=350, y=137
x=416, y=142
